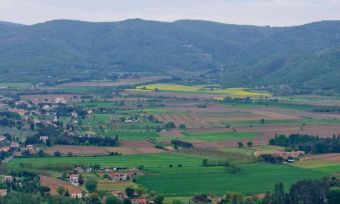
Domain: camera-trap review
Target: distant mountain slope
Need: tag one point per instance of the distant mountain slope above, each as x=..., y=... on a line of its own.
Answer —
x=248, y=55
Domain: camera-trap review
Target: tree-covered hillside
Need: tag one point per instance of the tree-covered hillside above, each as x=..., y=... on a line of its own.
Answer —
x=239, y=55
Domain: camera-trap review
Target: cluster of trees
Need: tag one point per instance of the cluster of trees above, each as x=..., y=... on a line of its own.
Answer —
x=10, y=115
x=99, y=141
x=229, y=166
x=169, y=125
x=308, y=143
x=10, y=119
x=332, y=109
x=229, y=99
x=66, y=110
x=271, y=158
x=56, y=137
x=181, y=144
x=307, y=191
x=324, y=191
x=27, y=198
x=27, y=182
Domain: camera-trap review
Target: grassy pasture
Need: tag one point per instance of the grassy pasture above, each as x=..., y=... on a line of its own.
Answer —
x=254, y=178
x=328, y=163
x=301, y=107
x=106, y=104
x=189, y=179
x=74, y=89
x=321, y=166
x=169, y=200
x=285, y=122
x=148, y=160
x=15, y=85
x=212, y=136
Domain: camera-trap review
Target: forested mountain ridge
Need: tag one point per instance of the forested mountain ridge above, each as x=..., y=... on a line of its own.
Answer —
x=240, y=55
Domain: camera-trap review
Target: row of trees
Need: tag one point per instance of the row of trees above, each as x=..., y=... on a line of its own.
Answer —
x=307, y=192
x=324, y=191
x=308, y=143
x=99, y=141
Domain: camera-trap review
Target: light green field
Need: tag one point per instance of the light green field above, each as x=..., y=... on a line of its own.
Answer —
x=169, y=200
x=74, y=89
x=99, y=118
x=15, y=85
x=148, y=160
x=189, y=179
x=107, y=104
x=211, y=136
x=241, y=92
x=286, y=122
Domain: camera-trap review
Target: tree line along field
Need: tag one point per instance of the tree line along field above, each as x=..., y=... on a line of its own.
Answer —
x=187, y=179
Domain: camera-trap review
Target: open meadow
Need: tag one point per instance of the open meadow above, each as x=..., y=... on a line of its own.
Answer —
x=183, y=175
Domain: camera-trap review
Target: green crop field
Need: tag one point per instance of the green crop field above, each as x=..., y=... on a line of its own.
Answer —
x=170, y=200
x=73, y=89
x=254, y=178
x=148, y=160
x=163, y=173
x=211, y=136
x=15, y=85
x=106, y=104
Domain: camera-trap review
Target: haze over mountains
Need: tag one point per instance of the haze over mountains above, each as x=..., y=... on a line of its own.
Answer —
x=242, y=55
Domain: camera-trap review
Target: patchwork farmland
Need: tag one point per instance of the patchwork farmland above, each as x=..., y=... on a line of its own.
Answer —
x=165, y=133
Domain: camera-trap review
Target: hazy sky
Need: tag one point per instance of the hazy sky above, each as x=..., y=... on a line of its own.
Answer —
x=257, y=12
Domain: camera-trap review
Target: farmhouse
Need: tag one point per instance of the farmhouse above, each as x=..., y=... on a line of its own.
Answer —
x=43, y=139
x=19, y=111
x=79, y=169
x=286, y=155
x=14, y=145
x=139, y=201
x=60, y=100
x=119, y=194
x=119, y=176
x=3, y=192
x=7, y=179
x=30, y=148
x=76, y=193
x=74, y=179
x=4, y=149
x=2, y=138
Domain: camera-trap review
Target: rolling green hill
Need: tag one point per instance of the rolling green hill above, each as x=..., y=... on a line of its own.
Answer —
x=237, y=55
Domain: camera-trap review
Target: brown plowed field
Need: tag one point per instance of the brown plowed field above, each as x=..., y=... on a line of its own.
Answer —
x=53, y=184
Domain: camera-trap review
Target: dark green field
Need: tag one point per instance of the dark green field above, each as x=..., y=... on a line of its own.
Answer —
x=163, y=173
